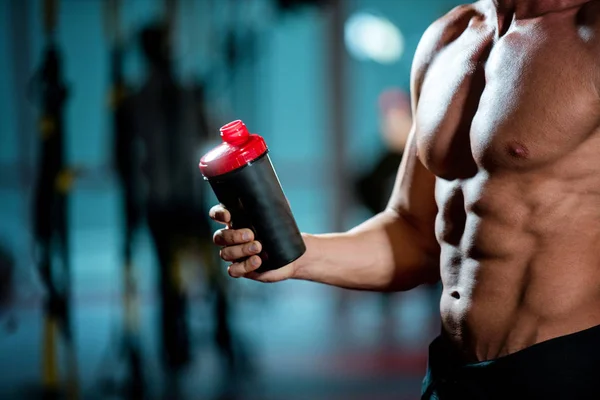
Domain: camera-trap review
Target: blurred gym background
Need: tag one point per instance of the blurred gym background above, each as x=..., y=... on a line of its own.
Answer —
x=109, y=287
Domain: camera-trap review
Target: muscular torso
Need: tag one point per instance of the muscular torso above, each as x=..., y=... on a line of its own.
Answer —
x=508, y=122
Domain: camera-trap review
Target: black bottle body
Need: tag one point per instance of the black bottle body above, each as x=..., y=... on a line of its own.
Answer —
x=255, y=199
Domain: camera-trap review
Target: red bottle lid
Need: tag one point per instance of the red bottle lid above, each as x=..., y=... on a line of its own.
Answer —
x=238, y=149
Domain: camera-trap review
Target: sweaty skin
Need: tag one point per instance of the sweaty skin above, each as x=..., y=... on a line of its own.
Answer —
x=499, y=190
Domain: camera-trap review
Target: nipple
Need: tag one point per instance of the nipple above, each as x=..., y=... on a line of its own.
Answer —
x=517, y=150
x=234, y=133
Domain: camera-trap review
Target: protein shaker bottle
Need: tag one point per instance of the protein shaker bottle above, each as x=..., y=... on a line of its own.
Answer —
x=242, y=177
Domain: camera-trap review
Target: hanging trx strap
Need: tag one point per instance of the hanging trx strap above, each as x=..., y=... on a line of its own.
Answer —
x=173, y=122
x=47, y=126
x=50, y=13
x=54, y=182
x=175, y=326
x=114, y=35
x=124, y=154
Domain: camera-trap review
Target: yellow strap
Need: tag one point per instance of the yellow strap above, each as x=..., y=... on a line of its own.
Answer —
x=47, y=126
x=64, y=180
x=49, y=355
x=130, y=299
x=176, y=272
x=116, y=96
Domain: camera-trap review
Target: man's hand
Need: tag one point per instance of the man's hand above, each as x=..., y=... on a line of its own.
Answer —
x=239, y=247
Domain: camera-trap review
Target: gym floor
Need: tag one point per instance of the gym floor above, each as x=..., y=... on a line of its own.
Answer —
x=302, y=340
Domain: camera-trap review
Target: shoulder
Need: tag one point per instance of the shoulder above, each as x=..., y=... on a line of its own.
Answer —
x=439, y=34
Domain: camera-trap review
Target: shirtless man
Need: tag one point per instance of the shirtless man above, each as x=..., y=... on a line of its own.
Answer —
x=498, y=196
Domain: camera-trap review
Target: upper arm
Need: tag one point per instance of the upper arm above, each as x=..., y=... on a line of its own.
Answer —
x=413, y=196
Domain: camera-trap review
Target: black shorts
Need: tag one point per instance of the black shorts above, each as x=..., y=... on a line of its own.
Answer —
x=563, y=368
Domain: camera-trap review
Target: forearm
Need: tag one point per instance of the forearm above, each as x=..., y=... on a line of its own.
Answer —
x=382, y=254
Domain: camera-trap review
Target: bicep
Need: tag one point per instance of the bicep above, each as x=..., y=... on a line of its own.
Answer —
x=413, y=196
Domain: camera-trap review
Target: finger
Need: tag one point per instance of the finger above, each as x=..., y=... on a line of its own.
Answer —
x=275, y=275
x=220, y=214
x=229, y=237
x=232, y=253
x=240, y=269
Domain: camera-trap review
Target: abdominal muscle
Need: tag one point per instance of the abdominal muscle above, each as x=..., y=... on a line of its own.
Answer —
x=522, y=265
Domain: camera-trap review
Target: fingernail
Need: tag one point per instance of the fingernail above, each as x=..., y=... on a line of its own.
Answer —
x=253, y=248
x=246, y=236
x=255, y=261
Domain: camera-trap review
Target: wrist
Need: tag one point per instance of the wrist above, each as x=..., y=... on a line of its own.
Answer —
x=310, y=257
